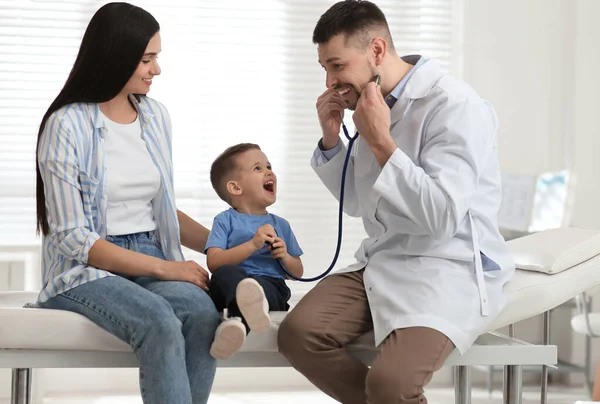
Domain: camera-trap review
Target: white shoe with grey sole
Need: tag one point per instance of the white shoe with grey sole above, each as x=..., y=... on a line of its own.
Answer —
x=229, y=338
x=253, y=305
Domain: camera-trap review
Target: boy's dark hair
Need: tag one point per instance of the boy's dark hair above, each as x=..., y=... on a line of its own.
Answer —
x=224, y=165
x=353, y=18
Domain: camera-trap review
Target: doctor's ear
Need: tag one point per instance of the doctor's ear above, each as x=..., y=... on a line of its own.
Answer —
x=234, y=188
x=378, y=50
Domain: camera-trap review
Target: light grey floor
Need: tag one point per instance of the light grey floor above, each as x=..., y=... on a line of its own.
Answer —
x=557, y=395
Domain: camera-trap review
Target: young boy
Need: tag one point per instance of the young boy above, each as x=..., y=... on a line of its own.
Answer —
x=244, y=245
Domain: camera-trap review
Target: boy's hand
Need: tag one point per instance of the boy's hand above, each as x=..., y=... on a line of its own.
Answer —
x=278, y=248
x=265, y=233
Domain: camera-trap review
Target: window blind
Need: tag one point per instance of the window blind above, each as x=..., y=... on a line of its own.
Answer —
x=232, y=71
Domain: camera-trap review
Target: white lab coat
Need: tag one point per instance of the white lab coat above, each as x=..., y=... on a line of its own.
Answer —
x=417, y=210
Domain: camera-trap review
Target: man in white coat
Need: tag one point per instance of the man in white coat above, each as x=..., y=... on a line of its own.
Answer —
x=425, y=179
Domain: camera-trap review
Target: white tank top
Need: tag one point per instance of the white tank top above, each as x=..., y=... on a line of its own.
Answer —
x=132, y=179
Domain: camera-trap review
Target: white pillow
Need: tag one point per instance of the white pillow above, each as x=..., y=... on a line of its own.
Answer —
x=553, y=251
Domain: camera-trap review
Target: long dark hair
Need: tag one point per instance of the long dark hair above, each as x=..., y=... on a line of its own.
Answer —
x=111, y=49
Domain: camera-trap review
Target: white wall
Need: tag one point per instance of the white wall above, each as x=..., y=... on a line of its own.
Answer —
x=586, y=120
x=537, y=61
x=510, y=53
x=513, y=58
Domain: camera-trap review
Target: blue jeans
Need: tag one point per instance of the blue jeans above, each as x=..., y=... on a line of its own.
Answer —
x=169, y=325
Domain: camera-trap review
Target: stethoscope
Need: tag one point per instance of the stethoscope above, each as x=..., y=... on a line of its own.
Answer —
x=351, y=140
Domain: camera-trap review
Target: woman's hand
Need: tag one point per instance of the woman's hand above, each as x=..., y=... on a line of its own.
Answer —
x=186, y=271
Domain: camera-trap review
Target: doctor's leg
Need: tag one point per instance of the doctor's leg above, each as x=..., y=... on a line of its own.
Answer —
x=314, y=335
x=405, y=365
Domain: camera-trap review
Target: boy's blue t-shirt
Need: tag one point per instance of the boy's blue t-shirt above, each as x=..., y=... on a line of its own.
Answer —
x=231, y=228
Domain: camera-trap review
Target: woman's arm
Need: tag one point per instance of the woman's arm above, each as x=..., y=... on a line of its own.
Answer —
x=58, y=164
x=113, y=258
x=193, y=234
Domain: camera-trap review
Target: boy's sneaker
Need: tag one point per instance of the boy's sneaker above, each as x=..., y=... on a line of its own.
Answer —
x=253, y=305
x=229, y=338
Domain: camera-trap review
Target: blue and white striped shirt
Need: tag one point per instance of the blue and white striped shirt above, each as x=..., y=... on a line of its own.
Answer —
x=71, y=160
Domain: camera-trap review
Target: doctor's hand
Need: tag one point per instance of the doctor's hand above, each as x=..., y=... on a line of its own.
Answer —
x=330, y=109
x=372, y=120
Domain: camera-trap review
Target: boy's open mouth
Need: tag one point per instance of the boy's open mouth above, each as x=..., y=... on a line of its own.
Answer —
x=269, y=186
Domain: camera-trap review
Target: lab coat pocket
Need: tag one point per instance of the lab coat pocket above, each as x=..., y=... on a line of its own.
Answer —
x=438, y=267
x=364, y=160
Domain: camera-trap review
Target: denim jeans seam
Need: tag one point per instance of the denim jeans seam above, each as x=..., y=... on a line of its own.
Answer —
x=142, y=389
x=123, y=326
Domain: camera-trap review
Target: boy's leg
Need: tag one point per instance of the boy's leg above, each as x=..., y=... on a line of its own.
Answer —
x=276, y=291
x=252, y=303
x=233, y=289
x=223, y=284
x=231, y=334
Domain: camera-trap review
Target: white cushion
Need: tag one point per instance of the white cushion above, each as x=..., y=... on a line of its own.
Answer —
x=530, y=293
x=45, y=329
x=553, y=251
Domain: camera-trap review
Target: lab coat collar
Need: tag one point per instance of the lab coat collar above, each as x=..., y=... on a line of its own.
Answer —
x=418, y=86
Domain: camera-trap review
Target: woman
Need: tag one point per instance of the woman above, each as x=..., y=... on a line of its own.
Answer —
x=106, y=209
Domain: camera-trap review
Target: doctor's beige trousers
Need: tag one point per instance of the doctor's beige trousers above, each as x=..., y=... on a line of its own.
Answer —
x=315, y=333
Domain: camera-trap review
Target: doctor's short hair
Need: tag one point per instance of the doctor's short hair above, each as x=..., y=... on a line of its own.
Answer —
x=225, y=166
x=359, y=20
